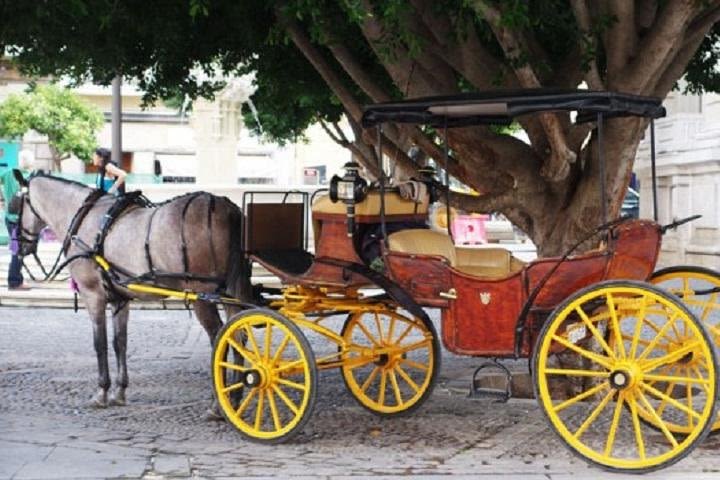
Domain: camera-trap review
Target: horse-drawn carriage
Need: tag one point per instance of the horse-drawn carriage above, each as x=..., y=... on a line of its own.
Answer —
x=612, y=355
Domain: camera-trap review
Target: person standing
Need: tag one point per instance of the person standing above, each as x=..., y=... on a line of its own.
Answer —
x=110, y=177
x=10, y=187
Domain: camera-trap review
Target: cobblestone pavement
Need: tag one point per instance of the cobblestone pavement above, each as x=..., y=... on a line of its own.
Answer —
x=48, y=372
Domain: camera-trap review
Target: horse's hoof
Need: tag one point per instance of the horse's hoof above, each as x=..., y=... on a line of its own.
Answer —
x=96, y=403
x=99, y=400
x=118, y=400
x=212, y=414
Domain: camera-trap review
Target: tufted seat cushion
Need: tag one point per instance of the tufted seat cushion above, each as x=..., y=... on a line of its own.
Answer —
x=491, y=263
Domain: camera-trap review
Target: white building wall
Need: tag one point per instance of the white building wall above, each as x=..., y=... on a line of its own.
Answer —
x=688, y=171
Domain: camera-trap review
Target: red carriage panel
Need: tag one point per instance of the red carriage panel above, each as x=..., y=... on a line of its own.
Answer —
x=481, y=320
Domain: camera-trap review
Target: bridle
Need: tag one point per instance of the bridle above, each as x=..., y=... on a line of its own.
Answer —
x=25, y=236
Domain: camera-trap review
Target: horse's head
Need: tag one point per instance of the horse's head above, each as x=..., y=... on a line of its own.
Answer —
x=30, y=224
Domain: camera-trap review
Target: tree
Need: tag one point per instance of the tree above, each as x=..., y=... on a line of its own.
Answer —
x=70, y=124
x=317, y=59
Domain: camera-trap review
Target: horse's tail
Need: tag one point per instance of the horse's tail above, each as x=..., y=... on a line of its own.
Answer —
x=238, y=283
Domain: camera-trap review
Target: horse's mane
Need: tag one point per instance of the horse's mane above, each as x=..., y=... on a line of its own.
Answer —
x=42, y=174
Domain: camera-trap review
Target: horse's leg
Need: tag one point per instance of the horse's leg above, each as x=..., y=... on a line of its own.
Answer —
x=208, y=316
x=96, y=304
x=120, y=323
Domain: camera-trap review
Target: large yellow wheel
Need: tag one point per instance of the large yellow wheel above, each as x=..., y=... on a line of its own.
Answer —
x=392, y=361
x=699, y=290
x=625, y=337
x=277, y=375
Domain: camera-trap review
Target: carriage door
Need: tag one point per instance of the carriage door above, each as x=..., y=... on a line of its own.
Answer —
x=481, y=318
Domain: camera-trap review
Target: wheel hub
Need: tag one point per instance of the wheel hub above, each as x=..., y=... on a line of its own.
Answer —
x=620, y=379
x=253, y=378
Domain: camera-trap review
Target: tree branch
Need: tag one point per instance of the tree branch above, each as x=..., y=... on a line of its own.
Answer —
x=660, y=43
x=303, y=43
x=557, y=165
x=620, y=38
x=582, y=16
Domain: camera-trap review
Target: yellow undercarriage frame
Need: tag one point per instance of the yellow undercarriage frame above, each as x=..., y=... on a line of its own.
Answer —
x=619, y=368
x=265, y=373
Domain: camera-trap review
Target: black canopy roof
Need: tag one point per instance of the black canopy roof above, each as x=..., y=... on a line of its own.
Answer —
x=502, y=106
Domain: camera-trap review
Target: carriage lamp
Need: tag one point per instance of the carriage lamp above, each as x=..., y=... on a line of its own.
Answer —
x=350, y=189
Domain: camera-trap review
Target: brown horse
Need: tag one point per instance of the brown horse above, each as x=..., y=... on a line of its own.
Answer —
x=191, y=242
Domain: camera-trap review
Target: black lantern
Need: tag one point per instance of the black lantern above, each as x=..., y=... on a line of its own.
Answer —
x=350, y=189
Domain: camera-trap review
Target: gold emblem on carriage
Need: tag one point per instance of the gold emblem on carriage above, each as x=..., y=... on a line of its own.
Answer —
x=485, y=297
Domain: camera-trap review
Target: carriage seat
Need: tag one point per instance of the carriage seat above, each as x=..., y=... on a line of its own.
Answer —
x=394, y=205
x=489, y=263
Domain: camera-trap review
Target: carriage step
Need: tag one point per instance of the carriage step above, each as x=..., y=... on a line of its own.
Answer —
x=480, y=387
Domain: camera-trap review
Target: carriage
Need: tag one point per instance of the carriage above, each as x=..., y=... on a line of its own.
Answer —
x=611, y=354
x=622, y=358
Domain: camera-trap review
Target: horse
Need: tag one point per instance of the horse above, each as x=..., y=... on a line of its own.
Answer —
x=190, y=243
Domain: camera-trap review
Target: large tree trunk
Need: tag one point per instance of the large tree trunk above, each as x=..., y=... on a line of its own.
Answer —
x=551, y=187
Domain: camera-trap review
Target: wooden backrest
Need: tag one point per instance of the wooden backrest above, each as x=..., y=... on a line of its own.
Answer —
x=274, y=226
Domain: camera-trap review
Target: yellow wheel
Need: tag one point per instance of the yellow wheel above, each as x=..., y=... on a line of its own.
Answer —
x=391, y=364
x=699, y=290
x=624, y=339
x=277, y=375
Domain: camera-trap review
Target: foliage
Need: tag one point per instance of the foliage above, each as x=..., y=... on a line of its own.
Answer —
x=69, y=123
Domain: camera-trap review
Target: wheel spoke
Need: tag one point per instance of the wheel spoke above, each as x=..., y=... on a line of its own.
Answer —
x=243, y=406
x=708, y=306
x=674, y=379
x=697, y=372
x=381, y=394
x=415, y=365
x=671, y=357
x=289, y=365
x=658, y=421
x=379, y=327
x=233, y=387
x=404, y=334
x=576, y=373
x=578, y=398
x=657, y=338
x=636, y=426
x=668, y=390
x=281, y=349
x=615, y=324
x=689, y=395
x=406, y=377
x=599, y=359
x=288, y=383
x=614, y=424
x=396, y=388
x=638, y=327
x=268, y=342
x=593, y=415
x=369, y=336
x=657, y=393
x=369, y=379
x=253, y=342
x=594, y=331
x=293, y=408
x=274, y=411
x=232, y=366
x=414, y=346
x=391, y=330
x=259, y=411
x=243, y=351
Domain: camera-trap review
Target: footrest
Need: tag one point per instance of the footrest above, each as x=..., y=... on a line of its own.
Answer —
x=478, y=391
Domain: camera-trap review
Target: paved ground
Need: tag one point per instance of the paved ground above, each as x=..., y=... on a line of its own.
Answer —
x=47, y=375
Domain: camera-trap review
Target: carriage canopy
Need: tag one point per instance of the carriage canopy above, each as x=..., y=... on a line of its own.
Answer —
x=502, y=106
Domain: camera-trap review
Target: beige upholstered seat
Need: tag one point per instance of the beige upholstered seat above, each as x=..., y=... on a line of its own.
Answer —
x=490, y=263
x=394, y=205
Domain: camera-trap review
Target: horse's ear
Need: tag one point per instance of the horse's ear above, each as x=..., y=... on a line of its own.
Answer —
x=19, y=177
